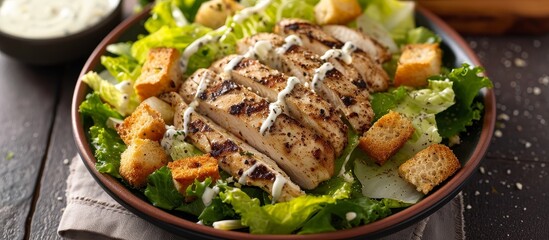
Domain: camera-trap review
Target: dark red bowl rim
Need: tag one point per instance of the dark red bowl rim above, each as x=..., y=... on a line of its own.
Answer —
x=176, y=224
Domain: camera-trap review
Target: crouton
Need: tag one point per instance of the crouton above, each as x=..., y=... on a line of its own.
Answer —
x=213, y=13
x=144, y=123
x=185, y=171
x=140, y=159
x=417, y=63
x=429, y=167
x=160, y=73
x=337, y=11
x=386, y=136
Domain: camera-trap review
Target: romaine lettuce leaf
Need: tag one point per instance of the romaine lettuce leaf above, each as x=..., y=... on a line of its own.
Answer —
x=422, y=35
x=176, y=37
x=280, y=218
x=106, y=143
x=382, y=102
x=345, y=214
x=124, y=102
x=172, y=13
x=122, y=68
x=467, y=82
x=216, y=211
x=108, y=148
x=395, y=16
x=97, y=110
x=420, y=106
x=161, y=190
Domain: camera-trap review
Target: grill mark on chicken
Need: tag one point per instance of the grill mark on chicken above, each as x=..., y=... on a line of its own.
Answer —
x=248, y=107
x=297, y=61
x=232, y=154
x=199, y=126
x=249, y=111
x=223, y=148
x=318, y=41
x=261, y=172
x=224, y=88
x=302, y=104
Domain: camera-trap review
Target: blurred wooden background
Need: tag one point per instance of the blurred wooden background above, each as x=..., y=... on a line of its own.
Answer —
x=493, y=16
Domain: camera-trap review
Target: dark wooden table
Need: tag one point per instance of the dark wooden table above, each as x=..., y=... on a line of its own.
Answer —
x=506, y=199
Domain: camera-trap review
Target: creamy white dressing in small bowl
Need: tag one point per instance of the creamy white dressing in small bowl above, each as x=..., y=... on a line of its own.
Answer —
x=52, y=32
x=39, y=19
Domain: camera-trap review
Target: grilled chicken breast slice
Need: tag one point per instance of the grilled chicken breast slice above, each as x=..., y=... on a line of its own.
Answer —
x=364, y=42
x=234, y=156
x=319, y=42
x=302, y=154
x=353, y=103
x=302, y=104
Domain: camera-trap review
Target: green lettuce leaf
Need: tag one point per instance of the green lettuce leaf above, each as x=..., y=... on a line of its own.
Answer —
x=97, y=110
x=422, y=35
x=395, y=16
x=120, y=49
x=124, y=102
x=345, y=214
x=420, y=106
x=172, y=13
x=161, y=190
x=280, y=218
x=122, y=68
x=382, y=102
x=216, y=211
x=108, y=148
x=176, y=37
x=467, y=82
x=106, y=143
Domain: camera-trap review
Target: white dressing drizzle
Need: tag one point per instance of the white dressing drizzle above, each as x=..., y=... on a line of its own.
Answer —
x=277, y=107
x=350, y=216
x=209, y=194
x=193, y=48
x=126, y=88
x=247, y=12
x=320, y=74
x=259, y=50
x=204, y=81
x=244, y=177
x=278, y=184
x=232, y=64
x=289, y=41
x=344, y=53
x=170, y=136
x=178, y=16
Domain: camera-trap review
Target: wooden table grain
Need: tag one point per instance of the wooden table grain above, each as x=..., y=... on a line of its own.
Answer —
x=507, y=198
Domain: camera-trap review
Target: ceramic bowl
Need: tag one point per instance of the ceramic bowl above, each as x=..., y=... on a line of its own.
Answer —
x=470, y=151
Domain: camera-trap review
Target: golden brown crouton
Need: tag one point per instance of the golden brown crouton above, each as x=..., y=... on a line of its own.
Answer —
x=160, y=73
x=141, y=158
x=429, y=167
x=386, y=136
x=213, y=13
x=417, y=63
x=185, y=171
x=337, y=11
x=144, y=123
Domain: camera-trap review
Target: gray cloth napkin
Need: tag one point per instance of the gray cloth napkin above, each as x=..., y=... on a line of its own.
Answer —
x=93, y=214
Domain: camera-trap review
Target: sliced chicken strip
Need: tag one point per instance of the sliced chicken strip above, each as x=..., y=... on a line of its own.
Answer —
x=302, y=104
x=328, y=83
x=365, y=43
x=319, y=42
x=245, y=164
x=302, y=154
